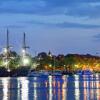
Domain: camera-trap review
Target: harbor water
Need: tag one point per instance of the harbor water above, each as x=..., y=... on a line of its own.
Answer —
x=50, y=88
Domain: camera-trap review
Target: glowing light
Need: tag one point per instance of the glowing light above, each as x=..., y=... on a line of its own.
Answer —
x=50, y=65
x=64, y=86
x=5, y=62
x=23, y=51
x=35, y=65
x=24, y=88
x=77, y=91
x=35, y=89
x=5, y=82
x=5, y=50
x=50, y=88
x=8, y=70
x=25, y=61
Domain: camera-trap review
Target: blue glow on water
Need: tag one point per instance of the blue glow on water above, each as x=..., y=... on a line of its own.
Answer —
x=51, y=88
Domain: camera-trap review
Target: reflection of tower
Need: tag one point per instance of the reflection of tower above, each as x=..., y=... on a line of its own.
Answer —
x=6, y=53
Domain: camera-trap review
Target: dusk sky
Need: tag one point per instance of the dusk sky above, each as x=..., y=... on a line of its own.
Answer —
x=61, y=26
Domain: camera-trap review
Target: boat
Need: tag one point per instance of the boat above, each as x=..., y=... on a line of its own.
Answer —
x=56, y=73
x=33, y=74
x=79, y=72
x=44, y=73
x=38, y=74
x=67, y=73
x=87, y=72
x=84, y=72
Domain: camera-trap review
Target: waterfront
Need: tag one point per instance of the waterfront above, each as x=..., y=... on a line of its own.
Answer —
x=50, y=88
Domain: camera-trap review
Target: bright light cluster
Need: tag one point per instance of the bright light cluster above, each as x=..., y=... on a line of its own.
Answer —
x=23, y=51
x=25, y=61
x=6, y=63
x=5, y=50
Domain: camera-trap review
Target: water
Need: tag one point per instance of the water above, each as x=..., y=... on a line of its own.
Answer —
x=50, y=88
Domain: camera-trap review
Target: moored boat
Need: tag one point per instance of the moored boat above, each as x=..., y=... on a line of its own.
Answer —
x=56, y=73
x=38, y=74
x=84, y=72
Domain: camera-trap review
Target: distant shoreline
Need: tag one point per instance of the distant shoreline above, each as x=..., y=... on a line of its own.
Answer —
x=70, y=63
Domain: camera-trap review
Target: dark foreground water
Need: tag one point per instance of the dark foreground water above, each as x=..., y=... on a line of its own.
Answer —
x=50, y=88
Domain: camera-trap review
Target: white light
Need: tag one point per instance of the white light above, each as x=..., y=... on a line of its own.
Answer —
x=23, y=51
x=5, y=83
x=50, y=88
x=24, y=83
x=35, y=65
x=77, y=91
x=50, y=65
x=5, y=63
x=8, y=70
x=5, y=50
x=26, y=61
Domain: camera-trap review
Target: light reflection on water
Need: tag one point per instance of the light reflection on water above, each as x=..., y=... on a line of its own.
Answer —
x=51, y=88
x=77, y=91
x=5, y=85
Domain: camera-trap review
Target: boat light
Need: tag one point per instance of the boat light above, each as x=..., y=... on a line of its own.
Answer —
x=26, y=61
x=5, y=50
x=23, y=51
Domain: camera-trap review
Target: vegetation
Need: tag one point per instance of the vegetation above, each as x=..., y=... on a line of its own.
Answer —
x=71, y=62
x=44, y=61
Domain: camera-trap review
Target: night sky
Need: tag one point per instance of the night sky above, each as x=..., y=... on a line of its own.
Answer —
x=61, y=26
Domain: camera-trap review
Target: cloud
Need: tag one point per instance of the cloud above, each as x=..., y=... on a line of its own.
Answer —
x=21, y=6
x=48, y=8
x=64, y=24
x=78, y=8
x=77, y=25
x=84, y=10
x=52, y=7
x=14, y=26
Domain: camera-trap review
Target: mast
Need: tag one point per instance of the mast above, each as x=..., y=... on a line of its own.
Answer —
x=6, y=51
x=24, y=41
x=7, y=47
x=7, y=44
x=24, y=47
x=25, y=56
